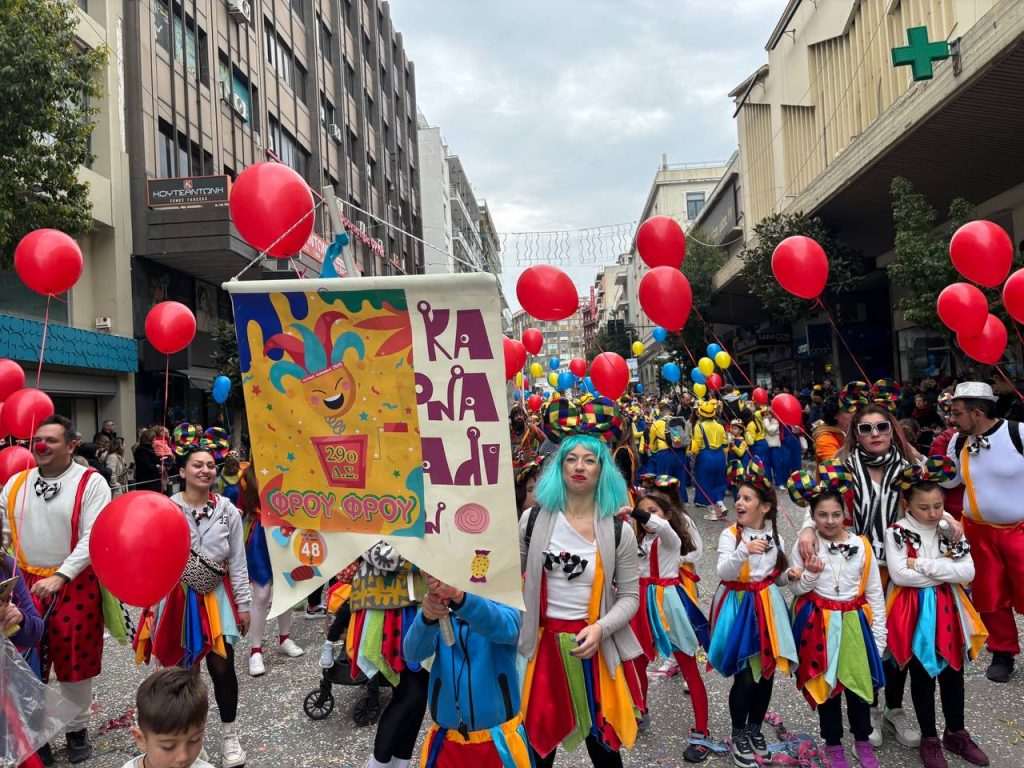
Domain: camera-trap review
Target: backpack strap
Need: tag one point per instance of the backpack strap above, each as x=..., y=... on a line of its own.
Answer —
x=1014, y=429
x=534, y=513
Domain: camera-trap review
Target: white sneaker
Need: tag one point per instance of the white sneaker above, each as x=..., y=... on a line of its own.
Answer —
x=232, y=754
x=898, y=721
x=876, y=728
x=256, y=667
x=668, y=667
x=289, y=648
x=327, y=655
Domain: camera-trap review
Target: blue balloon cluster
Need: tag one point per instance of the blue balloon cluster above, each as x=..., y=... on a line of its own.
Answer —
x=221, y=389
x=697, y=377
x=659, y=334
x=566, y=380
x=713, y=349
x=554, y=363
x=671, y=372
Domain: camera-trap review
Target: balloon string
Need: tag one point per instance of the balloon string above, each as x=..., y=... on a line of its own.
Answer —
x=1017, y=329
x=167, y=386
x=42, y=346
x=718, y=341
x=1007, y=378
x=840, y=336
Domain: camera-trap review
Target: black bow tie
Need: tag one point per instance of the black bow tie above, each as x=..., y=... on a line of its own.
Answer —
x=46, y=490
x=571, y=565
x=847, y=550
x=906, y=537
x=977, y=443
x=207, y=511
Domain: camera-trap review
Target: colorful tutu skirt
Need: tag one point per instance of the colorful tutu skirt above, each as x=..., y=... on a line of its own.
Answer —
x=937, y=625
x=374, y=642
x=669, y=620
x=750, y=626
x=185, y=626
x=504, y=746
x=837, y=648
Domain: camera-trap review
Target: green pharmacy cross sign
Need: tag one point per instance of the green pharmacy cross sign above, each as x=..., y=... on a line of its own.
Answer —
x=920, y=53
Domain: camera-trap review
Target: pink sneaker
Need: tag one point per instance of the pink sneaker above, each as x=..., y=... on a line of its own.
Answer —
x=865, y=754
x=836, y=756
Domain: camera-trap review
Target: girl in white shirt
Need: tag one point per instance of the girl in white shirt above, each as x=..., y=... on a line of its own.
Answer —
x=838, y=617
x=669, y=623
x=750, y=634
x=933, y=627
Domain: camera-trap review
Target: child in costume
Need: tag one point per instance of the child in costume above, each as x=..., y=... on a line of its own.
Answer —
x=172, y=705
x=750, y=631
x=669, y=623
x=709, y=446
x=838, y=617
x=928, y=573
x=477, y=720
x=756, y=437
x=229, y=478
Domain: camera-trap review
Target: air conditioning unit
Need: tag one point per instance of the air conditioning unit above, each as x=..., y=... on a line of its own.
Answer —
x=239, y=106
x=103, y=323
x=334, y=131
x=257, y=139
x=241, y=10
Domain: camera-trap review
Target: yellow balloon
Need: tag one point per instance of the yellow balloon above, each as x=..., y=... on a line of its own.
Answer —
x=519, y=380
x=552, y=378
x=706, y=366
x=638, y=348
x=536, y=370
x=700, y=390
x=723, y=360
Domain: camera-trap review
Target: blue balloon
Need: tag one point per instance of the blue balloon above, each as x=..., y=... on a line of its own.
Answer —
x=659, y=334
x=671, y=372
x=713, y=349
x=588, y=385
x=697, y=377
x=566, y=380
x=517, y=394
x=639, y=389
x=553, y=363
x=221, y=389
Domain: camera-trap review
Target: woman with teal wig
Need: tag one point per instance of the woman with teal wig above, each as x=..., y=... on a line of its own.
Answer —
x=582, y=588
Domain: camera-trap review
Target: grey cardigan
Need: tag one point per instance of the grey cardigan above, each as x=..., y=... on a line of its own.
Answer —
x=621, y=593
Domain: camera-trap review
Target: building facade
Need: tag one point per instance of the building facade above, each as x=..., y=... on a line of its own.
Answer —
x=214, y=86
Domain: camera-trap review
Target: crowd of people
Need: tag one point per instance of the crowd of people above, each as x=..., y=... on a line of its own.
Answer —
x=903, y=568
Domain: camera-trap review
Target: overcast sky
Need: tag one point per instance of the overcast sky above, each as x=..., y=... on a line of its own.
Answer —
x=560, y=110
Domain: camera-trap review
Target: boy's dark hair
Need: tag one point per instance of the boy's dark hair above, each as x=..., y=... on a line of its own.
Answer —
x=62, y=422
x=172, y=701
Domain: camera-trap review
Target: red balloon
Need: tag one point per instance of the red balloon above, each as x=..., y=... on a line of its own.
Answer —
x=12, y=378
x=760, y=396
x=578, y=367
x=15, y=459
x=666, y=297
x=48, y=261
x=170, y=327
x=515, y=356
x=547, y=293
x=986, y=347
x=661, y=242
x=272, y=207
x=982, y=252
x=610, y=375
x=139, y=545
x=962, y=308
x=801, y=266
x=713, y=382
x=533, y=340
x=1013, y=295
x=787, y=409
x=23, y=411
x=534, y=402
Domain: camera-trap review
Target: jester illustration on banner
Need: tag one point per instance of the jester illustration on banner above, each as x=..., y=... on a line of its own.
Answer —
x=377, y=410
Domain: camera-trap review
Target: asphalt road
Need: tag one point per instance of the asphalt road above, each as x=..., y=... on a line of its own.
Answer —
x=277, y=734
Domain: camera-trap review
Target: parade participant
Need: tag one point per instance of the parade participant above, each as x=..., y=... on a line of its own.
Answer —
x=670, y=439
x=750, y=635
x=775, y=467
x=525, y=436
x=49, y=512
x=386, y=590
x=19, y=620
x=526, y=484
x=756, y=435
x=261, y=574
x=229, y=477
x=739, y=448
x=830, y=437
x=477, y=720
x=940, y=447
x=928, y=572
x=172, y=706
x=625, y=456
x=582, y=588
x=669, y=623
x=709, y=447
x=989, y=453
x=838, y=616
x=208, y=613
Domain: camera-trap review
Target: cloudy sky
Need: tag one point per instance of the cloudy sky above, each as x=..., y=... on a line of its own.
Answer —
x=560, y=110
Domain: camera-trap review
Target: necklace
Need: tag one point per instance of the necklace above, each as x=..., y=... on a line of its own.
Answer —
x=842, y=565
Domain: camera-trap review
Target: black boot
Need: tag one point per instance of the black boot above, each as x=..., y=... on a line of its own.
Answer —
x=1001, y=668
x=79, y=748
x=45, y=755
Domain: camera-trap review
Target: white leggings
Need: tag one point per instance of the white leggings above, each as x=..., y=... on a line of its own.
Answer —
x=79, y=694
x=261, y=597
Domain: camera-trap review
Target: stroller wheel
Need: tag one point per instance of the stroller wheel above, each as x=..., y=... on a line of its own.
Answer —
x=367, y=709
x=318, y=704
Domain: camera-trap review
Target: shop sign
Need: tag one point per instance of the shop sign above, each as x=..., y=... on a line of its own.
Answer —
x=187, y=191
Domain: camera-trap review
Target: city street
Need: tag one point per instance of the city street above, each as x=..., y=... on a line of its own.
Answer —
x=276, y=733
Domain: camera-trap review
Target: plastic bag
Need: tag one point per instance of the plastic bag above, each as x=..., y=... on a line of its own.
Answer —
x=31, y=713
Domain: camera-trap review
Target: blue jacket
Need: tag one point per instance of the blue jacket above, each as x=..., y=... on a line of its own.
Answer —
x=480, y=668
x=31, y=631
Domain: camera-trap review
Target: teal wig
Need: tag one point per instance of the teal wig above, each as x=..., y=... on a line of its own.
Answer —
x=611, y=493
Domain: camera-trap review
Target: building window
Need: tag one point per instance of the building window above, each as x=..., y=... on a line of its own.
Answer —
x=237, y=84
x=326, y=110
x=300, y=82
x=189, y=41
x=694, y=204
x=298, y=6
x=288, y=149
x=181, y=157
x=326, y=44
x=350, y=78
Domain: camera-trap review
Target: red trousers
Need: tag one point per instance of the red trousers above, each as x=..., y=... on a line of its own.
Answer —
x=998, y=587
x=691, y=674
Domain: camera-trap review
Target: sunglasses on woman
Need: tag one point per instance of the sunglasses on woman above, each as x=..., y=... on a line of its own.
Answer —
x=882, y=428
